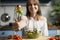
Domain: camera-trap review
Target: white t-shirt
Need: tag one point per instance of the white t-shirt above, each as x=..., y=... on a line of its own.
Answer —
x=40, y=25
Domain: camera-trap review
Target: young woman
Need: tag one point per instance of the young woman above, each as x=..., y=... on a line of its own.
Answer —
x=33, y=18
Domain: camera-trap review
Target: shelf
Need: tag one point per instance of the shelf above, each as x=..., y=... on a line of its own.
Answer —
x=54, y=27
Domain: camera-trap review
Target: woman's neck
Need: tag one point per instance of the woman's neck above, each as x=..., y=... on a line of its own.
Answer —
x=33, y=15
x=36, y=17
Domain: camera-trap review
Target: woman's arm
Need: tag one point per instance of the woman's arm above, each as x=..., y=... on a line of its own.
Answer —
x=45, y=28
x=21, y=24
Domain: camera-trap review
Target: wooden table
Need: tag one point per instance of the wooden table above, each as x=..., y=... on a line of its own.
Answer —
x=40, y=38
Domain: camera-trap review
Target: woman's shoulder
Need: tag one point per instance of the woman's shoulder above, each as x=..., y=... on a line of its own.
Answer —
x=43, y=18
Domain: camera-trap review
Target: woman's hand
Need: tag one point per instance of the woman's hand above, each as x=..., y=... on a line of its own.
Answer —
x=16, y=25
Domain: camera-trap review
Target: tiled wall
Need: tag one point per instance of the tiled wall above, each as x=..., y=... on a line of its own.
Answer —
x=7, y=33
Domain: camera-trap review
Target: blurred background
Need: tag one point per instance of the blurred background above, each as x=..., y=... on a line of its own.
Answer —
x=49, y=8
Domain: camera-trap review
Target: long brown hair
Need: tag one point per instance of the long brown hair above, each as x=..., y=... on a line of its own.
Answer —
x=28, y=14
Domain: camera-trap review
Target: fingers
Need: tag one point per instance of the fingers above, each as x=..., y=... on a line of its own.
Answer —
x=16, y=20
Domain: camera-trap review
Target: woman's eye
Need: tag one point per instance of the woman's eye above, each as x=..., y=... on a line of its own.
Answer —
x=30, y=4
x=34, y=4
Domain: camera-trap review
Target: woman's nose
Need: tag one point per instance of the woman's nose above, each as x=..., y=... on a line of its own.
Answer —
x=32, y=6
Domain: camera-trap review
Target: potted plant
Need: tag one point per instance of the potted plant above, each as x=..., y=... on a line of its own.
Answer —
x=56, y=9
x=55, y=13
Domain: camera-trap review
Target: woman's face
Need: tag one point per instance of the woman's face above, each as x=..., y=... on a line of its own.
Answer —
x=33, y=8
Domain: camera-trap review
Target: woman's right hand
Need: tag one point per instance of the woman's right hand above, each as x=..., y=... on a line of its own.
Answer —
x=16, y=25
